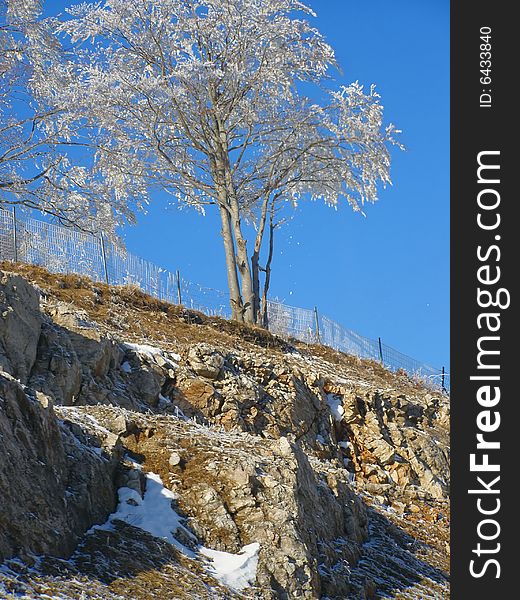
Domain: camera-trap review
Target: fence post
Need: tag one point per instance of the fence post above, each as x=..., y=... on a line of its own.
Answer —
x=381, y=352
x=179, y=295
x=316, y=318
x=104, y=257
x=443, y=374
x=15, y=236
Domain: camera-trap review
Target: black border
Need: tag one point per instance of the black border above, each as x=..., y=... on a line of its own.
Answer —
x=475, y=129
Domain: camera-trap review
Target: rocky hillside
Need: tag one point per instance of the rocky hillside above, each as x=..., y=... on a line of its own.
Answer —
x=153, y=452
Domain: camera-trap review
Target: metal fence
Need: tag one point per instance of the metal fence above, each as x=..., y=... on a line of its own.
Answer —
x=310, y=326
x=64, y=250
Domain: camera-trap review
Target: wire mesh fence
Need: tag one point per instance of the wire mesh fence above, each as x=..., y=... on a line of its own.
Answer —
x=312, y=327
x=64, y=250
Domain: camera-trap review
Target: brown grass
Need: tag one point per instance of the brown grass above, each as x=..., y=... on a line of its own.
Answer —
x=155, y=319
x=137, y=316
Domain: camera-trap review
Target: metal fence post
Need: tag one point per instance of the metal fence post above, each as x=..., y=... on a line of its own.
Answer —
x=179, y=295
x=317, y=320
x=381, y=351
x=15, y=236
x=104, y=257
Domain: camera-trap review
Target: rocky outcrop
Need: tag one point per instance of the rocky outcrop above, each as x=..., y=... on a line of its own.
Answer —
x=238, y=489
x=205, y=361
x=319, y=463
x=20, y=324
x=384, y=438
x=56, y=479
x=395, y=441
x=57, y=370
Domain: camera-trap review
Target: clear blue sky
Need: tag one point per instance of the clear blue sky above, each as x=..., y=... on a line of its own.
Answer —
x=384, y=275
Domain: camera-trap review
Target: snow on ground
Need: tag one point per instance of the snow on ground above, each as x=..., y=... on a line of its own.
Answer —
x=152, y=351
x=237, y=571
x=336, y=406
x=155, y=513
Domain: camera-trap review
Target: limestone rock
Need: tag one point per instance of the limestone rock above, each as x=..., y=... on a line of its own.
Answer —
x=175, y=459
x=205, y=360
x=57, y=370
x=54, y=485
x=94, y=350
x=273, y=447
x=20, y=323
x=200, y=395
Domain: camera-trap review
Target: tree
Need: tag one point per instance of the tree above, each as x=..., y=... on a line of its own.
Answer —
x=207, y=99
x=41, y=166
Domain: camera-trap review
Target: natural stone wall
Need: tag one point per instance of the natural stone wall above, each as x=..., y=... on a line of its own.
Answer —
x=56, y=481
x=281, y=448
x=20, y=323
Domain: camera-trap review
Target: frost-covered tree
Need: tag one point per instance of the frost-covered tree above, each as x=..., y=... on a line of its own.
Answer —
x=46, y=162
x=209, y=100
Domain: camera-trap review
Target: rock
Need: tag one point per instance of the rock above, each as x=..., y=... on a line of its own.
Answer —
x=94, y=350
x=205, y=360
x=57, y=370
x=399, y=507
x=262, y=460
x=133, y=479
x=284, y=446
x=54, y=485
x=175, y=459
x=213, y=523
x=200, y=395
x=120, y=425
x=272, y=497
x=146, y=382
x=20, y=324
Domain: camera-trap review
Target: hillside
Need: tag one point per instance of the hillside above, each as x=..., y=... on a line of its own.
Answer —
x=151, y=451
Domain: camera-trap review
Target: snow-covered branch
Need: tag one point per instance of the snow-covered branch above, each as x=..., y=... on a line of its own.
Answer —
x=207, y=99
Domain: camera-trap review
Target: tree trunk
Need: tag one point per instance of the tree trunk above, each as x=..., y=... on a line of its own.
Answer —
x=223, y=174
x=265, y=314
x=255, y=277
x=255, y=259
x=243, y=266
x=235, y=297
x=242, y=258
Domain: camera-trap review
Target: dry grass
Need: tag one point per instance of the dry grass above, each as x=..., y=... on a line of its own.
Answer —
x=124, y=563
x=114, y=308
x=153, y=319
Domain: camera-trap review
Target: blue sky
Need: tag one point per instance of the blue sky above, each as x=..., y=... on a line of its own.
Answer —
x=384, y=275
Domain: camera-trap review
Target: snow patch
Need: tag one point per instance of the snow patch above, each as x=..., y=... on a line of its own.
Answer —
x=126, y=367
x=236, y=571
x=155, y=514
x=152, y=351
x=336, y=406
